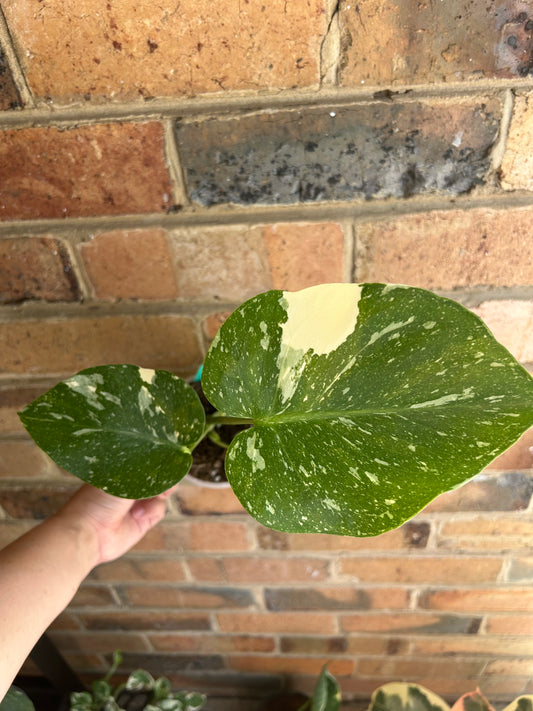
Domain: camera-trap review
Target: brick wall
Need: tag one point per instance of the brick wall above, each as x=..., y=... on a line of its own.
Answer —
x=161, y=162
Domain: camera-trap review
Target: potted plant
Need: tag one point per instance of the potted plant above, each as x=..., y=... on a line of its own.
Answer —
x=361, y=403
x=140, y=692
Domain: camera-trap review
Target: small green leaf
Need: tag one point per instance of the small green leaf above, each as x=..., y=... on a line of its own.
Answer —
x=162, y=688
x=101, y=691
x=81, y=701
x=326, y=694
x=368, y=401
x=140, y=680
x=123, y=429
x=16, y=700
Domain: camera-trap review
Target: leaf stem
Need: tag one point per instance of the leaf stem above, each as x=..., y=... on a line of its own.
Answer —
x=218, y=418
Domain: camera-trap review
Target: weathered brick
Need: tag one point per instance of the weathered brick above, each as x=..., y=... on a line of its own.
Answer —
x=365, y=151
x=130, y=265
x=507, y=599
x=206, y=266
x=512, y=324
x=207, y=570
x=37, y=268
x=505, y=492
x=509, y=667
x=292, y=665
x=469, y=645
x=198, y=500
x=22, y=458
x=519, y=456
x=444, y=250
x=403, y=41
x=378, y=645
x=192, y=535
x=12, y=400
x=513, y=527
x=181, y=597
x=158, y=664
x=410, y=623
x=101, y=169
x=99, y=642
x=411, y=535
x=93, y=596
x=35, y=502
x=9, y=96
x=266, y=570
x=517, y=165
x=284, y=622
x=412, y=669
x=136, y=568
x=316, y=645
x=338, y=598
x=199, y=46
x=510, y=624
x=213, y=322
x=302, y=255
x=211, y=644
x=445, y=569
x=520, y=569
x=62, y=347
x=136, y=621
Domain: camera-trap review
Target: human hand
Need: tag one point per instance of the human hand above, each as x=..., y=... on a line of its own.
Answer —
x=114, y=525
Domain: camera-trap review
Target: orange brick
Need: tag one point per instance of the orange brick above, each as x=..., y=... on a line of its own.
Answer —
x=510, y=624
x=123, y=52
x=22, y=458
x=520, y=568
x=302, y=255
x=514, y=527
x=512, y=324
x=12, y=401
x=213, y=322
x=93, y=596
x=212, y=644
x=396, y=42
x=410, y=623
x=508, y=599
x=284, y=622
x=101, y=169
x=269, y=570
x=99, y=642
x=186, y=597
x=517, y=165
x=411, y=535
x=519, y=456
x=207, y=569
x=198, y=500
x=37, y=268
x=206, y=266
x=504, y=492
x=307, y=645
x=130, y=265
x=62, y=347
x=292, y=665
x=378, y=645
x=452, y=570
x=445, y=250
x=135, y=568
x=213, y=536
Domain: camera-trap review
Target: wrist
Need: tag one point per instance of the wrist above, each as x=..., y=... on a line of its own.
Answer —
x=83, y=537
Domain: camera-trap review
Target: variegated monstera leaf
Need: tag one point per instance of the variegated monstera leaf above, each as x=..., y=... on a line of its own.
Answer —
x=367, y=402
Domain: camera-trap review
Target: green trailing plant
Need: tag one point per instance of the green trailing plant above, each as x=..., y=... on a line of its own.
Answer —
x=140, y=692
x=399, y=696
x=16, y=700
x=326, y=694
x=360, y=404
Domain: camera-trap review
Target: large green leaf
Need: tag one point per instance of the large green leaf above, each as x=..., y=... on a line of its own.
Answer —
x=124, y=429
x=368, y=401
x=400, y=696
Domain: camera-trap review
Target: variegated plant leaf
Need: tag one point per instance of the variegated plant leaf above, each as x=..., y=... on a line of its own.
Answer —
x=368, y=401
x=123, y=429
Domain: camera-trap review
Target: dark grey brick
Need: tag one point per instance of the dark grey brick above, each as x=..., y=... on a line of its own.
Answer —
x=279, y=599
x=376, y=150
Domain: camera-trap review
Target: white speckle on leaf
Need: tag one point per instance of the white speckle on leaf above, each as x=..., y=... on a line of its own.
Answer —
x=373, y=478
x=85, y=385
x=429, y=324
x=381, y=461
x=467, y=394
x=147, y=375
x=391, y=327
x=254, y=455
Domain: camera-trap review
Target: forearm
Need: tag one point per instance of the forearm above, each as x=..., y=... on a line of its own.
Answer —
x=40, y=574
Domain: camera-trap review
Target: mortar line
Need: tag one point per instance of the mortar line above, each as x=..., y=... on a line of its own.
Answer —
x=245, y=102
x=304, y=212
x=174, y=164
x=19, y=78
x=498, y=150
